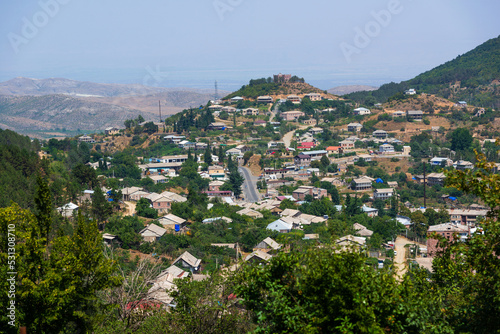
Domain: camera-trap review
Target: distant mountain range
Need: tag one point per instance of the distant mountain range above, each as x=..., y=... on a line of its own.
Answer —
x=29, y=86
x=57, y=106
x=473, y=77
x=342, y=90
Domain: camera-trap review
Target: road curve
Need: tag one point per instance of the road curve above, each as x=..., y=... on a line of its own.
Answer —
x=249, y=186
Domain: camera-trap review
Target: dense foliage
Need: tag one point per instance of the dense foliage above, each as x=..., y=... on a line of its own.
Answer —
x=475, y=70
x=19, y=164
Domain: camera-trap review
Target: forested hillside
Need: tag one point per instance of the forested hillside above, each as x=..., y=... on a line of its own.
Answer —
x=263, y=86
x=472, y=77
x=19, y=164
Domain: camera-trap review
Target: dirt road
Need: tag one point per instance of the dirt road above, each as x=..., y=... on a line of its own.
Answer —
x=400, y=258
x=287, y=138
x=130, y=208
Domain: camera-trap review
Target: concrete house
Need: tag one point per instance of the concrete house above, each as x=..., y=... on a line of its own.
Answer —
x=302, y=161
x=463, y=165
x=217, y=126
x=313, y=96
x=362, y=230
x=152, y=233
x=169, y=221
x=268, y=244
x=265, y=99
x=111, y=131
x=436, y=179
x=354, y=127
x=301, y=192
x=86, y=139
x=187, y=260
x=362, y=183
x=362, y=111
x=215, y=185
x=437, y=161
x=258, y=256
x=67, y=210
x=415, y=115
x=383, y=194
x=233, y=151
x=447, y=230
x=250, y=112
x=292, y=115
x=315, y=155
x=347, y=144
x=315, y=131
x=236, y=99
x=350, y=242
x=216, y=172
x=250, y=213
x=386, y=148
x=294, y=99
x=280, y=226
x=380, y=134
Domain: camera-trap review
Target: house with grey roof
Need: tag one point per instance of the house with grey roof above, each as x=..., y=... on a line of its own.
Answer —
x=258, y=256
x=354, y=127
x=280, y=226
x=268, y=244
x=187, y=260
x=415, y=115
x=152, y=233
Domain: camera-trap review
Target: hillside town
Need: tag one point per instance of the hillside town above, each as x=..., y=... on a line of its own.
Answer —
x=296, y=165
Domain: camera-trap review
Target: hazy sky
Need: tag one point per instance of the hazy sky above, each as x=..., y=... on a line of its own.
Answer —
x=194, y=42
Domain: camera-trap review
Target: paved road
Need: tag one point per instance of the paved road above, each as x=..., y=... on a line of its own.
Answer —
x=249, y=186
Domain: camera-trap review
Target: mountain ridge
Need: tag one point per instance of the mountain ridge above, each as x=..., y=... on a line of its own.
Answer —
x=472, y=77
x=48, y=86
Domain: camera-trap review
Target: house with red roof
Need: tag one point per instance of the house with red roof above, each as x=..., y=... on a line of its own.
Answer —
x=306, y=145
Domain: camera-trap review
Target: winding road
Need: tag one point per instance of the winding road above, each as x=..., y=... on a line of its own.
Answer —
x=249, y=186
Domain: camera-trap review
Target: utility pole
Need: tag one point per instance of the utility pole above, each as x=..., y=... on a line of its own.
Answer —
x=425, y=184
x=159, y=108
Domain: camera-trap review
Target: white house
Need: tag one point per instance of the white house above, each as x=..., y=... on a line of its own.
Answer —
x=354, y=127
x=280, y=226
x=436, y=161
x=67, y=209
x=383, y=194
x=386, y=148
x=362, y=111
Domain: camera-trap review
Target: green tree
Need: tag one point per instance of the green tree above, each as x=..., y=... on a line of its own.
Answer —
x=420, y=224
x=247, y=157
x=461, y=139
x=324, y=290
x=287, y=204
x=325, y=161
x=208, y=156
x=144, y=209
x=150, y=128
x=101, y=208
x=332, y=191
x=57, y=281
x=85, y=176
x=467, y=274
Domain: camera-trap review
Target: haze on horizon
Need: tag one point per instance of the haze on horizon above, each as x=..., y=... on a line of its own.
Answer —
x=192, y=43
